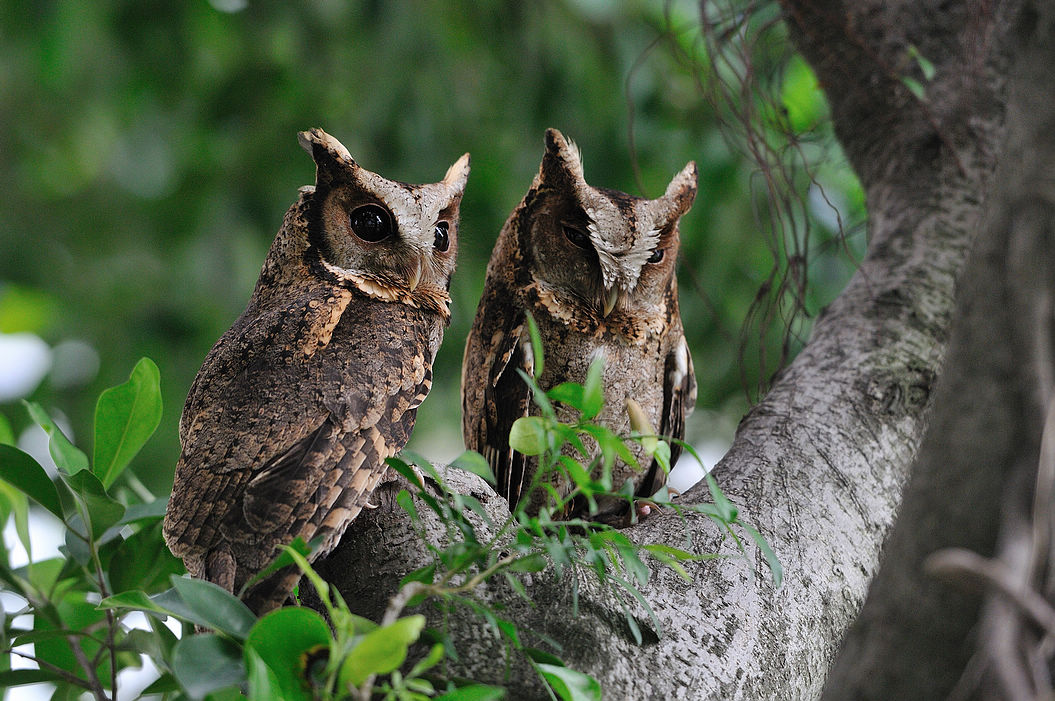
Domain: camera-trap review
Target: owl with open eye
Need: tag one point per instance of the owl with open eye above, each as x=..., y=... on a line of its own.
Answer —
x=595, y=269
x=288, y=423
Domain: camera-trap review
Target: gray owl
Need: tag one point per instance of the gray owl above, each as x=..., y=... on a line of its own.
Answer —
x=595, y=268
x=295, y=409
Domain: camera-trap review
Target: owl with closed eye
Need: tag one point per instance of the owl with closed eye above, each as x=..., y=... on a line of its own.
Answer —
x=596, y=270
x=288, y=423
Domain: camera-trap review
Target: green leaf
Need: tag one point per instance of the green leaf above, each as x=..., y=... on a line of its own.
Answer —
x=471, y=461
x=536, y=562
x=543, y=657
x=19, y=677
x=536, y=345
x=726, y=510
x=425, y=575
x=322, y=588
x=153, y=643
x=143, y=562
x=474, y=692
x=7, y=435
x=22, y=471
x=144, y=512
x=569, y=684
x=429, y=661
x=775, y=568
x=641, y=424
x=228, y=693
x=263, y=682
x=801, y=95
x=593, y=390
x=662, y=455
x=170, y=603
x=915, y=87
x=537, y=395
x=103, y=511
x=164, y=684
x=206, y=663
x=286, y=640
x=13, y=502
x=381, y=651
x=569, y=393
x=216, y=606
x=284, y=559
x=671, y=551
x=137, y=600
x=627, y=552
x=406, y=502
x=528, y=435
x=125, y=417
x=67, y=457
x=925, y=65
x=44, y=575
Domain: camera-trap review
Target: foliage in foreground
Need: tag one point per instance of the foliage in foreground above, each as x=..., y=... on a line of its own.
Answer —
x=116, y=571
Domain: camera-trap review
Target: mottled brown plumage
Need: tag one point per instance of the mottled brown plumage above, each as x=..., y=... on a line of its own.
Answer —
x=289, y=421
x=595, y=268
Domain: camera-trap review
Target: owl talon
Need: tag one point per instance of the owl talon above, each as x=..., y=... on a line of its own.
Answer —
x=368, y=505
x=421, y=477
x=644, y=509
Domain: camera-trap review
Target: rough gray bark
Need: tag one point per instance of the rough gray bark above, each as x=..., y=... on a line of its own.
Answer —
x=977, y=466
x=820, y=464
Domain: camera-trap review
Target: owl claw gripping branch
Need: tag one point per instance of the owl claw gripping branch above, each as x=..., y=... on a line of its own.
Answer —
x=595, y=268
x=297, y=406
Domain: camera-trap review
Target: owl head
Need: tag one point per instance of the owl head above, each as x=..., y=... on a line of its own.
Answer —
x=598, y=251
x=388, y=239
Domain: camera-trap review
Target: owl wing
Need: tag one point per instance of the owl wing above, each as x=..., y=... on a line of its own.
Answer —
x=679, y=399
x=506, y=398
x=279, y=445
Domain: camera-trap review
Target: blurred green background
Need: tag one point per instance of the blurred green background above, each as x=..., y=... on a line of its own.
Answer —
x=148, y=152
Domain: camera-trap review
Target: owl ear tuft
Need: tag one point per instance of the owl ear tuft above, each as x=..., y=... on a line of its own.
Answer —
x=562, y=160
x=329, y=154
x=457, y=175
x=680, y=193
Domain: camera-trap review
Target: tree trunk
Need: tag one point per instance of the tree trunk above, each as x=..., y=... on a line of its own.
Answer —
x=820, y=464
x=978, y=463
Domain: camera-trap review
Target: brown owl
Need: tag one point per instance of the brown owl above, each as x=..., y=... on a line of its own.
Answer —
x=595, y=268
x=290, y=419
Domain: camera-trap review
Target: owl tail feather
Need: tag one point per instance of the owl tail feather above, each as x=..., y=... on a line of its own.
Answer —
x=272, y=592
x=221, y=569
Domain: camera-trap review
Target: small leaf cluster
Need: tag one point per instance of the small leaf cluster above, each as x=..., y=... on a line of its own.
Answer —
x=116, y=566
x=112, y=532
x=292, y=653
x=528, y=542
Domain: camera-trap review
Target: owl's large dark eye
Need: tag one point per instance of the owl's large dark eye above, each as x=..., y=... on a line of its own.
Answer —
x=657, y=256
x=577, y=237
x=371, y=223
x=442, y=240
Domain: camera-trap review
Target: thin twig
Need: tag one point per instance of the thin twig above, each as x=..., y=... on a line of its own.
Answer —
x=67, y=676
x=953, y=563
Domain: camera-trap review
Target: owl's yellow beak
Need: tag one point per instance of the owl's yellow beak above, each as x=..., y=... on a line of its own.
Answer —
x=609, y=301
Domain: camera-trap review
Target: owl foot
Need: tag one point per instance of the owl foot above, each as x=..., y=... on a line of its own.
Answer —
x=644, y=508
